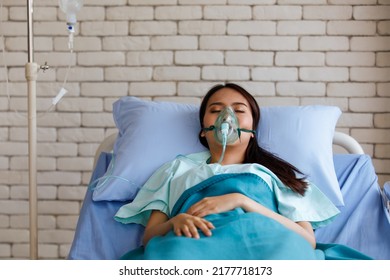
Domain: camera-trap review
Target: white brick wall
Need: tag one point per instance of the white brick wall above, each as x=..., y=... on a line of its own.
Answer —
x=285, y=52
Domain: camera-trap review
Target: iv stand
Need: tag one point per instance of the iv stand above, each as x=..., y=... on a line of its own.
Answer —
x=31, y=71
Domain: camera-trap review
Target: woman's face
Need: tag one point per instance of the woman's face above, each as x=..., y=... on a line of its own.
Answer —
x=219, y=100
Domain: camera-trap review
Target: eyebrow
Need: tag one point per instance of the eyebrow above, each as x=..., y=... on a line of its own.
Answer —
x=222, y=104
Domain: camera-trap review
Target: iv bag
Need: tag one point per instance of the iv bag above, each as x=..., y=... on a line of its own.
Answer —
x=71, y=8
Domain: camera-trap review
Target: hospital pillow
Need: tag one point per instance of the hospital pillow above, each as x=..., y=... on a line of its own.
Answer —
x=152, y=133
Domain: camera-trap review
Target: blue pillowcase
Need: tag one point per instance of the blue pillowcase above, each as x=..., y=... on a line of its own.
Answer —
x=152, y=133
x=303, y=135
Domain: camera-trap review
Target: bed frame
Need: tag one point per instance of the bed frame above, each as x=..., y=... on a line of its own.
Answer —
x=340, y=139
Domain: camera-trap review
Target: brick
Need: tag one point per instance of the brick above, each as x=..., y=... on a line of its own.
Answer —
x=329, y=74
x=60, y=119
x=227, y=12
x=72, y=193
x=178, y=13
x=274, y=74
x=19, y=44
x=223, y=43
x=300, y=89
x=324, y=43
x=152, y=2
x=303, y=27
x=43, y=134
x=349, y=89
x=81, y=74
x=97, y=120
x=87, y=149
x=4, y=221
x=381, y=165
x=67, y=222
x=371, y=135
x=14, y=235
x=327, y=12
x=382, y=151
x=56, y=236
x=5, y=251
x=371, y=12
x=225, y=73
x=44, y=221
x=276, y=12
x=14, y=58
x=202, y=27
x=251, y=28
x=13, y=177
x=351, y=28
x=299, y=59
x=74, y=164
x=198, y=89
x=13, y=29
x=178, y=73
x=59, y=177
x=383, y=59
x=149, y=58
x=178, y=99
x=342, y=103
x=12, y=149
x=350, y=59
x=153, y=28
x=274, y=43
x=100, y=28
x=42, y=163
x=13, y=207
x=126, y=43
x=355, y=120
x=278, y=101
x=81, y=104
x=377, y=105
x=384, y=27
x=50, y=28
x=79, y=44
x=203, y=2
x=374, y=43
x=97, y=59
x=103, y=89
x=370, y=74
x=80, y=134
x=383, y=89
x=57, y=149
x=120, y=74
x=4, y=193
x=382, y=120
x=129, y=13
x=152, y=88
x=174, y=43
x=249, y=58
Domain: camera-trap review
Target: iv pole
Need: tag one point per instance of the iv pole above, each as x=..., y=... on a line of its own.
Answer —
x=31, y=71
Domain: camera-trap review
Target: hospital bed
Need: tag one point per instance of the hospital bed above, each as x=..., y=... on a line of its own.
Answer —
x=151, y=133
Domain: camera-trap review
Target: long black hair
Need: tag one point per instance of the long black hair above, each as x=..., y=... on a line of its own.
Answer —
x=285, y=171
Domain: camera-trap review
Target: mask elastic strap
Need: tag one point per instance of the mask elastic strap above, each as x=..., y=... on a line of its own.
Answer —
x=210, y=128
x=246, y=130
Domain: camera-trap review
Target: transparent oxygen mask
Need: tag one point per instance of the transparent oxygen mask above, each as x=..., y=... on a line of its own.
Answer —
x=226, y=129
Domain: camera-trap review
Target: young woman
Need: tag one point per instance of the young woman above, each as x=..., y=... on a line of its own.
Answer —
x=240, y=202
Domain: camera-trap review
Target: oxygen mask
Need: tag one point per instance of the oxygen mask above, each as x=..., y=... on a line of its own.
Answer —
x=226, y=129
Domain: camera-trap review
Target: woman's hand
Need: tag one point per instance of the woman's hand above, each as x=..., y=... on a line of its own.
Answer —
x=188, y=225
x=215, y=204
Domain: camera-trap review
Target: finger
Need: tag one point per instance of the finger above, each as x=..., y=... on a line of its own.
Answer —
x=204, y=228
x=209, y=224
x=185, y=230
x=194, y=231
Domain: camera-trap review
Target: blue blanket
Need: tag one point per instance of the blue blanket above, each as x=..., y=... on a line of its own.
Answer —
x=238, y=234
